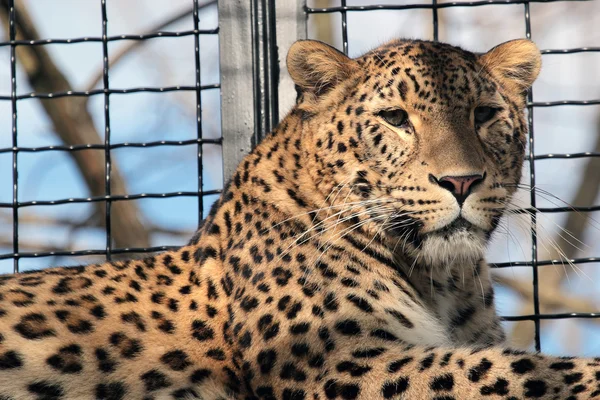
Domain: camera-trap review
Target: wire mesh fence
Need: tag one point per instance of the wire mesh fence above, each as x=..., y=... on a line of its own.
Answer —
x=18, y=26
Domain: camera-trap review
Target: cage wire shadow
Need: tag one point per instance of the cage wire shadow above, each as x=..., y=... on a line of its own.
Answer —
x=106, y=91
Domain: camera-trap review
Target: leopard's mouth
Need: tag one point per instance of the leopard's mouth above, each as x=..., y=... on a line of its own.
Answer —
x=409, y=231
x=459, y=224
x=459, y=241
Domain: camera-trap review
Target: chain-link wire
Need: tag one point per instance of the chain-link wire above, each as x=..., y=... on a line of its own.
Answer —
x=108, y=146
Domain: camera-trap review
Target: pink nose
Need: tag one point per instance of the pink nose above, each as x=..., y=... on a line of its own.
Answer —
x=460, y=186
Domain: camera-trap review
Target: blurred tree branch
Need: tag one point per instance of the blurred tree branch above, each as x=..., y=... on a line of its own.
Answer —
x=74, y=125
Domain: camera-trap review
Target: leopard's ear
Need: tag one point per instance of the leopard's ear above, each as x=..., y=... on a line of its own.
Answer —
x=317, y=67
x=515, y=63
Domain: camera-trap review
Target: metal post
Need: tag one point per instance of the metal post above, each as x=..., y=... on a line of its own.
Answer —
x=291, y=26
x=252, y=107
x=237, y=93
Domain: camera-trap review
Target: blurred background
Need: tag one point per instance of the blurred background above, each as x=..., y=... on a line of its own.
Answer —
x=169, y=61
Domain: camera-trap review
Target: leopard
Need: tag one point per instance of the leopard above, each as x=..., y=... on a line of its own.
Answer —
x=344, y=259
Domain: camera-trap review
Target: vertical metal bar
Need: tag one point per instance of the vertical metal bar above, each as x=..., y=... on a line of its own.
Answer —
x=264, y=67
x=107, y=168
x=13, y=102
x=198, y=112
x=271, y=59
x=257, y=72
x=237, y=95
x=344, y=29
x=291, y=26
x=434, y=10
x=534, y=255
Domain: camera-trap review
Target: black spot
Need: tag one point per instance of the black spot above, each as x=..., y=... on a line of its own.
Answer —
x=522, y=366
x=360, y=303
x=330, y=389
x=578, y=389
x=446, y=359
x=317, y=361
x=129, y=348
x=442, y=382
x=173, y=305
x=535, y=388
x=216, y=354
x=290, y=372
x=500, y=387
x=267, y=327
x=427, y=362
x=64, y=285
x=46, y=390
x=573, y=378
x=293, y=394
x=400, y=318
x=98, y=312
x=246, y=340
x=105, y=363
x=479, y=371
x=348, y=391
x=392, y=389
x=299, y=328
x=210, y=310
x=134, y=318
x=281, y=275
x=349, y=327
x=294, y=310
x=185, y=256
x=300, y=349
x=349, y=282
x=177, y=360
x=155, y=380
x=562, y=365
x=10, y=360
x=330, y=303
x=110, y=391
x=199, y=375
x=383, y=334
x=249, y=303
x=201, y=331
x=81, y=326
x=368, y=353
x=166, y=326
x=67, y=360
x=184, y=394
x=352, y=368
x=266, y=360
x=395, y=366
x=33, y=326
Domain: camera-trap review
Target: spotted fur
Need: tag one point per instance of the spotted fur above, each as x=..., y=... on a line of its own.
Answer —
x=337, y=264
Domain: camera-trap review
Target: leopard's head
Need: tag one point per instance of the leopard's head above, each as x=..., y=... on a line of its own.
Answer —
x=421, y=143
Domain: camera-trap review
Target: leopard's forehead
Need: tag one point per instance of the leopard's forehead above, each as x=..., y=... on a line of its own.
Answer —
x=421, y=53
x=428, y=75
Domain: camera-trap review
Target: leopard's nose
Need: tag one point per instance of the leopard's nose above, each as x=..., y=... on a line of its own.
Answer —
x=459, y=186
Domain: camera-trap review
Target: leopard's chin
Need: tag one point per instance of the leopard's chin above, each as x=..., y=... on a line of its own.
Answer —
x=459, y=241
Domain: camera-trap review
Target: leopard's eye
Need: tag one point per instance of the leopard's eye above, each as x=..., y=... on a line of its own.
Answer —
x=484, y=114
x=396, y=117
